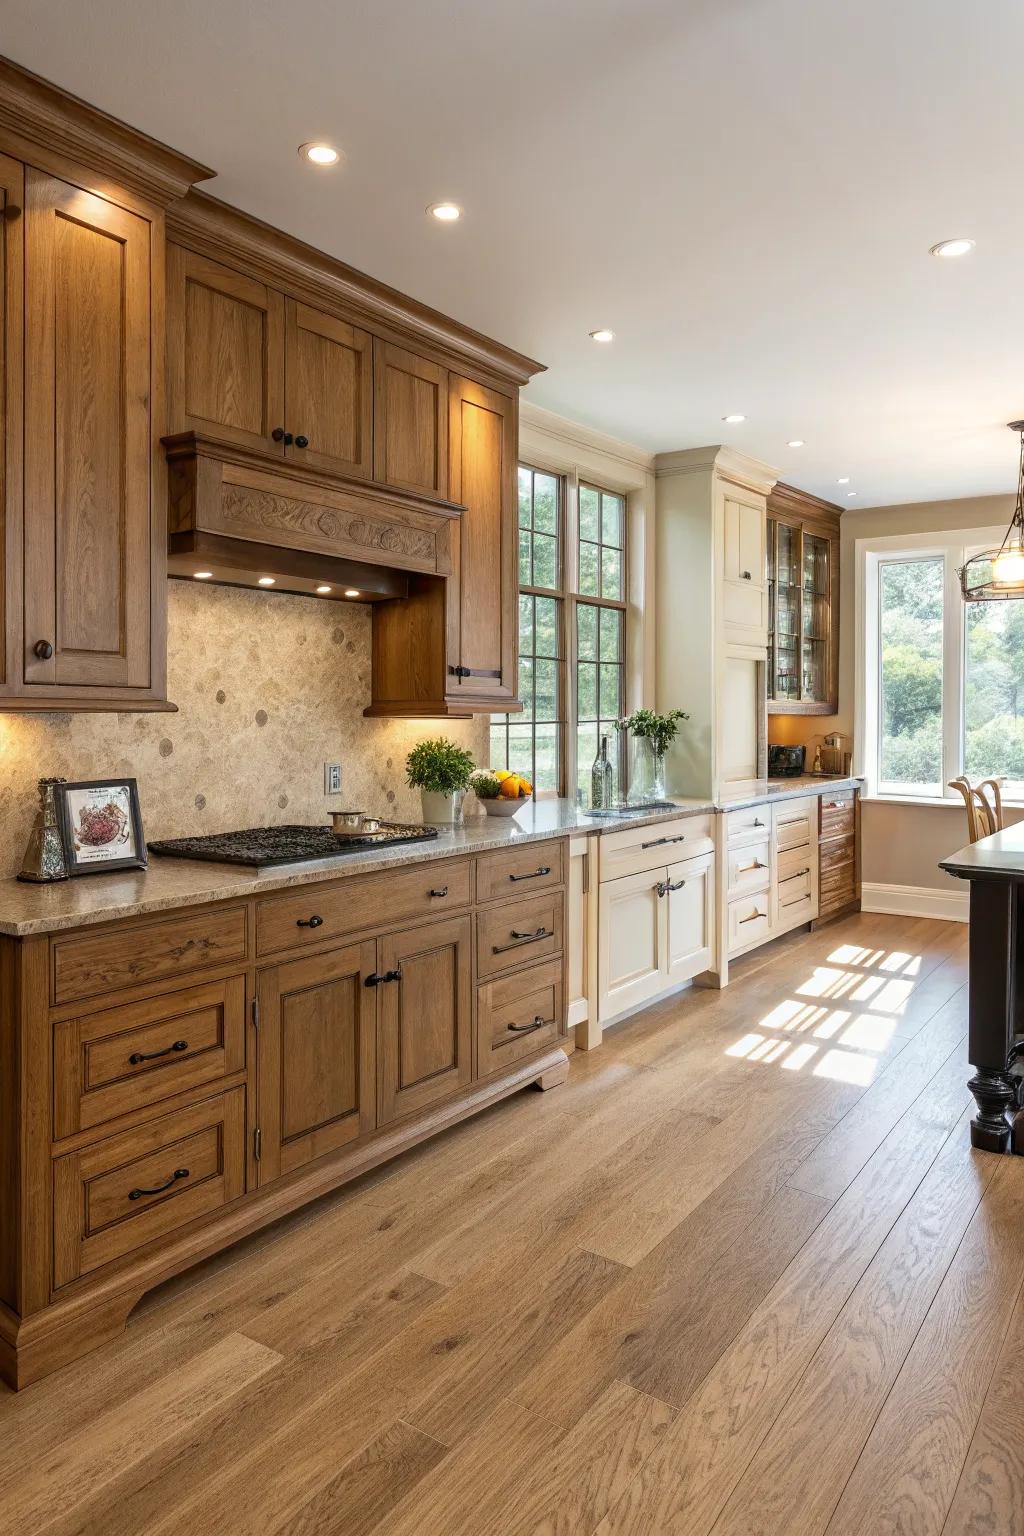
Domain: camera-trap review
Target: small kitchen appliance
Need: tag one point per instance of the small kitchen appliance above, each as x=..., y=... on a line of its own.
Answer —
x=785, y=762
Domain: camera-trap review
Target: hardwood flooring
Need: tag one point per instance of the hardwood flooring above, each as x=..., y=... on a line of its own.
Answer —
x=743, y=1274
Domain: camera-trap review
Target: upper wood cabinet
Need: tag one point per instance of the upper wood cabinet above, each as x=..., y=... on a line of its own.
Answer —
x=12, y=288
x=410, y=421
x=89, y=435
x=483, y=617
x=803, y=603
x=225, y=352
x=328, y=391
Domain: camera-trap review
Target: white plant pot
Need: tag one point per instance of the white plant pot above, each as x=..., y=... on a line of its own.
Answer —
x=442, y=810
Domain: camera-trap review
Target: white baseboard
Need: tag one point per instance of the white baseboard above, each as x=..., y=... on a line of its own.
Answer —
x=916, y=901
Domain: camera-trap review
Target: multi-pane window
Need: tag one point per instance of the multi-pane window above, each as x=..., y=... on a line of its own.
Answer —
x=942, y=681
x=572, y=583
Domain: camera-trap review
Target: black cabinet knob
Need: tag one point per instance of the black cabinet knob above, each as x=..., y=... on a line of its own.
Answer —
x=281, y=436
x=301, y=442
x=309, y=922
x=43, y=649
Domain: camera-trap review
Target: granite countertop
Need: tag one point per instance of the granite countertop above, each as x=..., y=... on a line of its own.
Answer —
x=33, y=909
x=788, y=789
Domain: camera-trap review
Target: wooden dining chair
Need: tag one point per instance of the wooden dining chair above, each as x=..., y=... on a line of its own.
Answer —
x=984, y=803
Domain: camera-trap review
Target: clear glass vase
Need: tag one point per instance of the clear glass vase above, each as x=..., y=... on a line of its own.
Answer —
x=646, y=772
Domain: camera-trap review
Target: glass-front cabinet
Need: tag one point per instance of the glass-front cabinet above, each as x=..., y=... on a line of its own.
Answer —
x=803, y=603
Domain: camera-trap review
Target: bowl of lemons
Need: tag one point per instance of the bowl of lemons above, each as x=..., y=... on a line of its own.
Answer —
x=501, y=792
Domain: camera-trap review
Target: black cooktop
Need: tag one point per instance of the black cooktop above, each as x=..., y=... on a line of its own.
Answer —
x=260, y=847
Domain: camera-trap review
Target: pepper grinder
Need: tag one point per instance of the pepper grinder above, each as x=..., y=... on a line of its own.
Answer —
x=44, y=856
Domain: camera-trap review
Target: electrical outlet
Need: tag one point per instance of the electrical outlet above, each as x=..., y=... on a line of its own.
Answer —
x=332, y=778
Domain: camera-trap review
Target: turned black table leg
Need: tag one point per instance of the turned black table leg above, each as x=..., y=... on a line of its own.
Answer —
x=993, y=1008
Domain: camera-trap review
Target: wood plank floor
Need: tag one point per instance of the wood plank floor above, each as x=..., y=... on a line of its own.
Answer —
x=742, y=1274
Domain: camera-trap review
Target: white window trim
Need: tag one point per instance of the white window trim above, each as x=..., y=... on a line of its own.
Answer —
x=953, y=547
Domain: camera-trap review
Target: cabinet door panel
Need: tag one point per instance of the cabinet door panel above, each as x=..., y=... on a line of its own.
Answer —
x=425, y=1017
x=317, y=1057
x=691, y=918
x=225, y=347
x=410, y=428
x=483, y=628
x=631, y=943
x=744, y=590
x=12, y=250
x=328, y=391
x=88, y=438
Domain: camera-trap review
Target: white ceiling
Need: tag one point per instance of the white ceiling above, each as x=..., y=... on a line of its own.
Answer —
x=744, y=190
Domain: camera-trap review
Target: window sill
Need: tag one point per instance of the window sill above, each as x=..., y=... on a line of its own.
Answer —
x=931, y=800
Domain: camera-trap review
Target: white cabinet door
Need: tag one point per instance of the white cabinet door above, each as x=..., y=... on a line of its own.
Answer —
x=744, y=569
x=631, y=942
x=690, y=904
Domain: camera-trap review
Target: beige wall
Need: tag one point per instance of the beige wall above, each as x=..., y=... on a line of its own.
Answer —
x=902, y=844
x=268, y=688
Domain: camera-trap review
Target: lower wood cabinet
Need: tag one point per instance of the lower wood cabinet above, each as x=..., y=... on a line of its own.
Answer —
x=317, y=1047
x=656, y=929
x=425, y=1023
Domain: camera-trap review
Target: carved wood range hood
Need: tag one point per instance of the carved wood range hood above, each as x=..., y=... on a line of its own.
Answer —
x=242, y=515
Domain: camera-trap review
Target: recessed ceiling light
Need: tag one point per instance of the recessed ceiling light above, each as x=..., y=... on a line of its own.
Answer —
x=351, y=592
x=734, y=419
x=447, y=213
x=843, y=480
x=323, y=591
x=851, y=493
x=795, y=442
x=319, y=154
x=602, y=335
x=202, y=575
x=957, y=247
x=267, y=581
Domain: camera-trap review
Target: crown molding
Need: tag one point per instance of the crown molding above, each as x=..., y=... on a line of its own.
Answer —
x=563, y=432
x=33, y=109
x=738, y=468
x=217, y=230
x=789, y=501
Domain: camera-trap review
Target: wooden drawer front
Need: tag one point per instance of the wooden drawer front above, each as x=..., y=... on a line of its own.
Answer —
x=518, y=933
x=518, y=1015
x=131, y=956
x=748, y=868
x=838, y=889
x=306, y=917
x=106, y=1064
x=748, y=826
x=111, y=1198
x=519, y=871
x=838, y=814
x=636, y=849
x=749, y=921
x=794, y=824
x=836, y=852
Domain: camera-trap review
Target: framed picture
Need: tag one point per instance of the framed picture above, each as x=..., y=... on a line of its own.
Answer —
x=100, y=826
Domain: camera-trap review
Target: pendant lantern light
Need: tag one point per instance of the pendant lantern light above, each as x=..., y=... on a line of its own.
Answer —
x=995, y=575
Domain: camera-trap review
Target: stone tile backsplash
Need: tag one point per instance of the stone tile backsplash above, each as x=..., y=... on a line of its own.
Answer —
x=269, y=687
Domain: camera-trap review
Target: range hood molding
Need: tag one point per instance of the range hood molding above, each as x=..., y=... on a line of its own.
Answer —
x=243, y=511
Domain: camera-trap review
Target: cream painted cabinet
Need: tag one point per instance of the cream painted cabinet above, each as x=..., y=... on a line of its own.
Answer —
x=656, y=929
x=581, y=942
x=744, y=568
x=690, y=918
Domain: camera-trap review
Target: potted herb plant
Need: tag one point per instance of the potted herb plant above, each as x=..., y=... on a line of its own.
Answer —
x=652, y=735
x=441, y=771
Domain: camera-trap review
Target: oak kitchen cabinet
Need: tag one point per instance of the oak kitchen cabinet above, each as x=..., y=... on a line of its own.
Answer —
x=803, y=603
x=84, y=491
x=174, y=1080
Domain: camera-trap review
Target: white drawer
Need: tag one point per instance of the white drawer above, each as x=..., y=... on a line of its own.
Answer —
x=749, y=922
x=635, y=849
x=795, y=913
x=747, y=826
x=794, y=886
x=748, y=867
x=794, y=823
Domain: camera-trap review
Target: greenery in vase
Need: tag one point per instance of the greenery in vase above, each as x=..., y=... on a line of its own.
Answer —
x=439, y=766
x=661, y=729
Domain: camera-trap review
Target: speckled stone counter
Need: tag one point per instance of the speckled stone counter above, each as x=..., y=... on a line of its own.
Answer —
x=29, y=909
x=787, y=789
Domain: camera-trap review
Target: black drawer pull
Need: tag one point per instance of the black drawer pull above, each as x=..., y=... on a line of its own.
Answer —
x=475, y=671
x=395, y=975
x=179, y=1173
x=659, y=842
x=376, y=980
x=442, y=892
x=137, y=1056
x=309, y=922
x=373, y=980
x=664, y=886
x=527, y=1029
x=520, y=938
x=545, y=869
x=796, y=875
